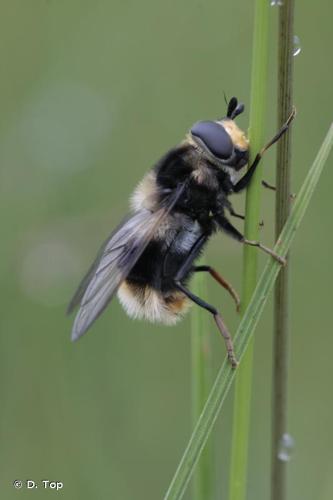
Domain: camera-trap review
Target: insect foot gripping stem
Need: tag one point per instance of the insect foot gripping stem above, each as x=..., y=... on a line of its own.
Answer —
x=267, y=185
x=278, y=258
x=227, y=339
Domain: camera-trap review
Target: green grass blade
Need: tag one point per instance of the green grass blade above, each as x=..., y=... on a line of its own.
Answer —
x=246, y=328
x=243, y=384
x=281, y=329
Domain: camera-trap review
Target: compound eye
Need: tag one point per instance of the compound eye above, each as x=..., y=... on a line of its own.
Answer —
x=214, y=137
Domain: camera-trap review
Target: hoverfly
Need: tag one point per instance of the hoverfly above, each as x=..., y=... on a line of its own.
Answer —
x=179, y=204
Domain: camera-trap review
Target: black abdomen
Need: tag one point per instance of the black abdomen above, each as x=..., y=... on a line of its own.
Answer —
x=160, y=262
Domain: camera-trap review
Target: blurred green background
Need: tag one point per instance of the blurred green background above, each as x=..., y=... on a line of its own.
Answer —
x=92, y=94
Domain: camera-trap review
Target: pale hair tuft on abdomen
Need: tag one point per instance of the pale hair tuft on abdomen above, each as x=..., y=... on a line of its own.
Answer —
x=151, y=305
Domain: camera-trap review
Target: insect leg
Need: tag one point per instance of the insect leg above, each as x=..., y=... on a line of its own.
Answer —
x=245, y=180
x=223, y=282
x=232, y=211
x=292, y=196
x=268, y=186
x=181, y=274
x=269, y=251
x=235, y=214
x=218, y=320
x=234, y=233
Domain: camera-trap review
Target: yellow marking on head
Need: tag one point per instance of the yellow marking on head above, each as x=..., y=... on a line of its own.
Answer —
x=238, y=137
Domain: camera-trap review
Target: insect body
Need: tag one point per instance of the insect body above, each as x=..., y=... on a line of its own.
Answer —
x=149, y=259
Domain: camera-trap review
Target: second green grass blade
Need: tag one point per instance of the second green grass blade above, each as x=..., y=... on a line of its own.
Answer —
x=243, y=384
x=201, y=376
x=246, y=328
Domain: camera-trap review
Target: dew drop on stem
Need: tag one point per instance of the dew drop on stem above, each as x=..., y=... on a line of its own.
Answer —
x=276, y=3
x=297, y=46
x=286, y=447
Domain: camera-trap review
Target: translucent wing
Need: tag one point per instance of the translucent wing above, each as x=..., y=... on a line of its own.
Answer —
x=115, y=260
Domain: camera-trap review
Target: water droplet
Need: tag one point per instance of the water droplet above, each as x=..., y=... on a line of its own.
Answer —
x=297, y=46
x=286, y=447
x=276, y=3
